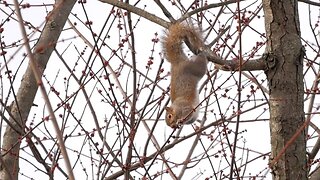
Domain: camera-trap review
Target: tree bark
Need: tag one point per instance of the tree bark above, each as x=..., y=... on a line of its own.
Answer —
x=9, y=162
x=285, y=77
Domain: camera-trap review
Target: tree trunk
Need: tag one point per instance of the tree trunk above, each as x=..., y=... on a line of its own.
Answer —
x=9, y=162
x=285, y=77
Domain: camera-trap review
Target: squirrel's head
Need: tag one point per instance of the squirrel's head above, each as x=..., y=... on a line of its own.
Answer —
x=178, y=116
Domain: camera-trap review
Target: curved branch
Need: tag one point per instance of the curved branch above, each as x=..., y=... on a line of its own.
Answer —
x=227, y=65
x=209, y=6
x=138, y=11
x=310, y=2
x=163, y=149
x=158, y=20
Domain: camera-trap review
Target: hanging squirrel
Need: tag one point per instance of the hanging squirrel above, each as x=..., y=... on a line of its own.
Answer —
x=185, y=74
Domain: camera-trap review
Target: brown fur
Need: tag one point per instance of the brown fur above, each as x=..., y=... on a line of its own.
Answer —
x=185, y=74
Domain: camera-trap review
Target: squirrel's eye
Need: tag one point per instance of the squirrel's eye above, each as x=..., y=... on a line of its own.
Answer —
x=169, y=116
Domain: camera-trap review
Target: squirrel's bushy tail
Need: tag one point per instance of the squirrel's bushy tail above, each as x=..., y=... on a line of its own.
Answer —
x=172, y=42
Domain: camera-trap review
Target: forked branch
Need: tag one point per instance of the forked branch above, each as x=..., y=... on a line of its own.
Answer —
x=226, y=65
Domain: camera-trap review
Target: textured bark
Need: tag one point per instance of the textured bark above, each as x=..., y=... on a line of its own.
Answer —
x=20, y=109
x=285, y=76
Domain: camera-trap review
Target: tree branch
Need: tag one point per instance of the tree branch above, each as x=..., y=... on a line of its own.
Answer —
x=226, y=65
x=310, y=2
x=233, y=65
x=29, y=85
x=165, y=11
x=209, y=6
x=37, y=73
x=162, y=150
x=138, y=11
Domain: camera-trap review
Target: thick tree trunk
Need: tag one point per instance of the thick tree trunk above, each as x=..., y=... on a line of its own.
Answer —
x=9, y=162
x=285, y=76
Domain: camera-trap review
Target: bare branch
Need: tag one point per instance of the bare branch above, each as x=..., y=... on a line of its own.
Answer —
x=38, y=74
x=165, y=11
x=310, y=2
x=209, y=6
x=29, y=84
x=233, y=65
x=138, y=11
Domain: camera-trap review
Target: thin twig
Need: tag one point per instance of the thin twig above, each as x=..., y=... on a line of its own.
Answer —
x=165, y=11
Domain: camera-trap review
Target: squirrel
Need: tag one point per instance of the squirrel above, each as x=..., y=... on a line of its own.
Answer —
x=185, y=74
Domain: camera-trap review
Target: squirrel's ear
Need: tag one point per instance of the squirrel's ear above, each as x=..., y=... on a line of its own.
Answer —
x=168, y=109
